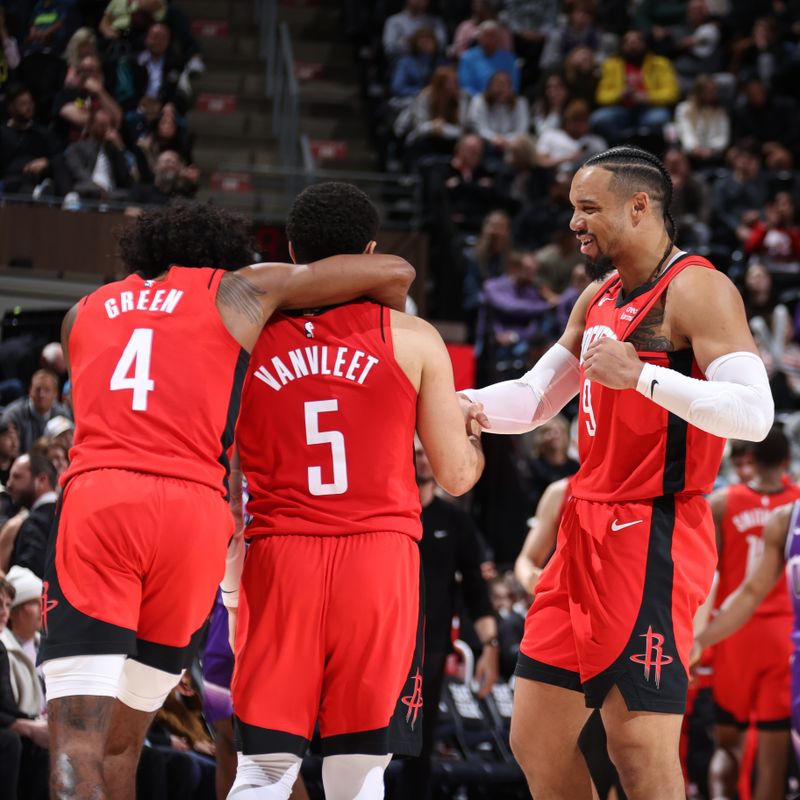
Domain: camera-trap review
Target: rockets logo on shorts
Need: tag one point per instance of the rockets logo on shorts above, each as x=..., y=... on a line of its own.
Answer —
x=653, y=657
x=414, y=700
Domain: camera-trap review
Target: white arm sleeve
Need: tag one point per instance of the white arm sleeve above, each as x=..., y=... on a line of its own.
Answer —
x=234, y=564
x=522, y=405
x=735, y=402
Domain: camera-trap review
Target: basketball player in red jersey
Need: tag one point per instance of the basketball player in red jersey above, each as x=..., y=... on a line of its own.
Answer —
x=662, y=356
x=330, y=619
x=157, y=362
x=751, y=668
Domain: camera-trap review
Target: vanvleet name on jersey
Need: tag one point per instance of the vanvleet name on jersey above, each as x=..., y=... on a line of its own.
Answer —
x=340, y=362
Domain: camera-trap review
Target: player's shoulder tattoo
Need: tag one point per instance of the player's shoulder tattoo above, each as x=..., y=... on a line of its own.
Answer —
x=239, y=294
x=648, y=336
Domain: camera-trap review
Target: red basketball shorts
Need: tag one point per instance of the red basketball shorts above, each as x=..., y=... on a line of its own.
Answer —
x=752, y=676
x=615, y=604
x=329, y=630
x=134, y=567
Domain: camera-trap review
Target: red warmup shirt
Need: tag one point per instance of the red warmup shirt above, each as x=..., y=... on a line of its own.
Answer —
x=156, y=379
x=326, y=431
x=746, y=511
x=630, y=447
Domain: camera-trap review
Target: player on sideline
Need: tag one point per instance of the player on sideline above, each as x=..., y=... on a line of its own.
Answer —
x=751, y=668
x=665, y=364
x=157, y=362
x=781, y=550
x=330, y=621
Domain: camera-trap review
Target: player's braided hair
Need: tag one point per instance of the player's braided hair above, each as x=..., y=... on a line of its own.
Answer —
x=634, y=169
x=187, y=234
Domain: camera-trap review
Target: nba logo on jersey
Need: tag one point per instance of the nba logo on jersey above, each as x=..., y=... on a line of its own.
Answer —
x=309, y=326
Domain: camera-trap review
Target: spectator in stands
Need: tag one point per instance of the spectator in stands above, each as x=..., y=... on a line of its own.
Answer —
x=97, y=164
x=758, y=292
x=776, y=237
x=9, y=54
x=130, y=19
x=488, y=258
x=765, y=57
x=450, y=545
x=159, y=71
x=498, y=115
x=738, y=196
x=532, y=225
x=466, y=34
x=579, y=280
x=548, y=460
x=81, y=44
x=702, y=124
x=695, y=45
x=689, y=200
x=578, y=30
x=399, y=28
x=530, y=22
x=571, y=145
x=521, y=177
x=515, y=315
x=26, y=149
x=55, y=453
x=23, y=739
x=635, y=92
x=32, y=485
x=549, y=104
x=413, y=71
x=436, y=117
x=469, y=189
x=9, y=449
x=166, y=134
x=510, y=624
x=48, y=27
x=30, y=414
x=82, y=93
x=580, y=74
x=60, y=430
x=172, y=179
x=479, y=63
x=765, y=116
x=558, y=259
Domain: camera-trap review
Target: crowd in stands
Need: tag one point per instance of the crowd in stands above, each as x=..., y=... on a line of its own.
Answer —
x=495, y=103
x=93, y=97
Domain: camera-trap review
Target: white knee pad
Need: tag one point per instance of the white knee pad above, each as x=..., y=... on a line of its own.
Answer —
x=265, y=777
x=96, y=676
x=145, y=688
x=354, y=777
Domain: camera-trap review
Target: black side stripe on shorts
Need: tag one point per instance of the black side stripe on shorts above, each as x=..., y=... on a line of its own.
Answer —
x=677, y=431
x=226, y=440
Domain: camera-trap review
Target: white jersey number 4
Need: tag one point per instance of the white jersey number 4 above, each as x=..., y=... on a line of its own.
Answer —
x=336, y=441
x=137, y=355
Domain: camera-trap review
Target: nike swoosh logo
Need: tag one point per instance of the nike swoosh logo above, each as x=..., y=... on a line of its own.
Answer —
x=603, y=300
x=618, y=526
x=652, y=387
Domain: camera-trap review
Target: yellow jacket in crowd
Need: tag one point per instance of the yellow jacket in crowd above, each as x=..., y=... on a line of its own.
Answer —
x=658, y=74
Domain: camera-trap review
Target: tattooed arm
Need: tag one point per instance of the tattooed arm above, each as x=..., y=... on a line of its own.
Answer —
x=247, y=298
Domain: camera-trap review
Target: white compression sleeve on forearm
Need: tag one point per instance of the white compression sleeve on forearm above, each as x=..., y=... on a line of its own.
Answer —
x=522, y=405
x=234, y=564
x=735, y=402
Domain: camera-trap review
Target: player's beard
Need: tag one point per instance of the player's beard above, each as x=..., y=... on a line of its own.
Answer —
x=598, y=268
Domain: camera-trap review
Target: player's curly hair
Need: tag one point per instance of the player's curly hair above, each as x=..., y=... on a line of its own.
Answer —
x=187, y=234
x=635, y=169
x=329, y=219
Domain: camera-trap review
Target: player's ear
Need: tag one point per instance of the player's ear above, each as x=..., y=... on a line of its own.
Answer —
x=370, y=248
x=291, y=253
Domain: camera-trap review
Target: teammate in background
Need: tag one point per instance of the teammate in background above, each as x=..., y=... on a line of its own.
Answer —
x=157, y=362
x=664, y=361
x=330, y=622
x=751, y=668
x=781, y=540
x=541, y=539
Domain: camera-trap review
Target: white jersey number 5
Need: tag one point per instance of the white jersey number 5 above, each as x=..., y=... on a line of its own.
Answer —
x=335, y=439
x=136, y=354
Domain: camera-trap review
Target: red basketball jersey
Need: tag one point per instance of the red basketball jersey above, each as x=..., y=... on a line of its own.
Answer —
x=630, y=448
x=746, y=511
x=326, y=430
x=156, y=378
